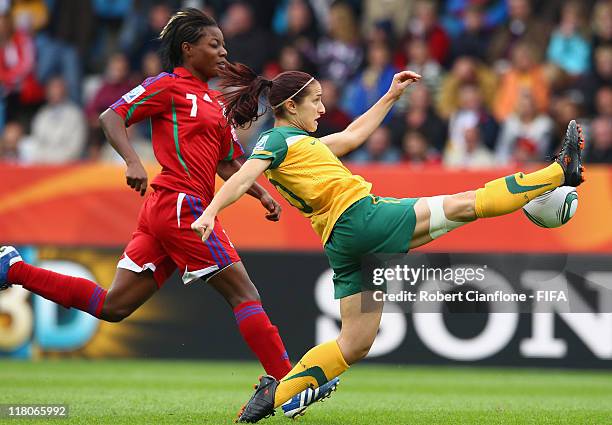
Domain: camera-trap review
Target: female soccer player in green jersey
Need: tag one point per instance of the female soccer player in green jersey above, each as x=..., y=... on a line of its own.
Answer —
x=349, y=219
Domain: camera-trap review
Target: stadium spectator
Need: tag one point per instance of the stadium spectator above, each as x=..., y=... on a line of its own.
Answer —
x=599, y=149
x=151, y=65
x=65, y=43
x=30, y=15
x=600, y=76
x=416, y=150
x=116, y=83
x=521, y=27
x=335, y=118
x=566, y=104
x=601, y=23
x=140, y=31
x=603, y=101
x=295, y=25
x=424, y=25
x=474, y=155
x=263, y=10
x=17, y=81
x=494, y=14
x=11, y=149
x=420, y=116
x=59, y=128
x=290, y=58
x=466, y=70
x=473, y=40
x=381, y=33
x=525, y=74
x=526, y=127
x=372, y=83
x=108, y=16
x=377, y=148
x=394, y=12
x=246, y=42
x=420, y=62
x=471, y=114
x=569, y=48
x=340, y=53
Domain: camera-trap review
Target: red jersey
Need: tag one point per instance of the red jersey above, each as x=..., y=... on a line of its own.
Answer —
x=190, y=134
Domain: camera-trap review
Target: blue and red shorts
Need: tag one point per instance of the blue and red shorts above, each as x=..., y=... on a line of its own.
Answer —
x=164, y=240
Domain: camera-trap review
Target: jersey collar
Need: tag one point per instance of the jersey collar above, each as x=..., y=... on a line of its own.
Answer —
x=293, y=130
x=184, y=73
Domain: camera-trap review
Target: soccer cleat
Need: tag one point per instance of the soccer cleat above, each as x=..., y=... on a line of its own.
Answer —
x=8, y=256
x=261, y=404
x=570, y=155
x=300, y=402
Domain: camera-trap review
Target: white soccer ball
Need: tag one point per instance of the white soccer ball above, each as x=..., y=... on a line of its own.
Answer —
x=554, y=208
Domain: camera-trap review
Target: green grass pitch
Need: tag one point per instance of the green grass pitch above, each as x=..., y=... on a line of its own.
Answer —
x=119, y=392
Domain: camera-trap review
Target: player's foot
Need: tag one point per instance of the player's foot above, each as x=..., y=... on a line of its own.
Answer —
x=570, y=155
x=261, y=404
x=8, y=256
x=298, y=404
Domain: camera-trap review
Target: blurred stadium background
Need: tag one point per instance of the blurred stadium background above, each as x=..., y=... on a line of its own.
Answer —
x=501, y=79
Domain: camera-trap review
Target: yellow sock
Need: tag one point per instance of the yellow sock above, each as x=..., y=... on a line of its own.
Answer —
x=319, y=365
x=507, y=194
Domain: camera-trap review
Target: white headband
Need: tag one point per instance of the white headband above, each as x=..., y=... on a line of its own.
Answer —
x=294, y=94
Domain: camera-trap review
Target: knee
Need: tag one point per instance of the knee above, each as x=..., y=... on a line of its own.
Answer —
x=461, y=207
x=115, y=314
x=236, y=299
x=244, y=292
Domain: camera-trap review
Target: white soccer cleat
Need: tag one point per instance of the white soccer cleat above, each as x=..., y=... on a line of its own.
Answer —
x=8, y=256
x=299, y=403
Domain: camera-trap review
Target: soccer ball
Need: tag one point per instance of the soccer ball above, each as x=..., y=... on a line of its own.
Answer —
x=554, y=208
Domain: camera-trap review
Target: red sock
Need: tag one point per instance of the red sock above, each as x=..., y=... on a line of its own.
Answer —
x=68, y=291
x=263, y=338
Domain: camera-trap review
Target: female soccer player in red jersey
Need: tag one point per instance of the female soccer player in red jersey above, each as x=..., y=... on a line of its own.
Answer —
x=192, y=142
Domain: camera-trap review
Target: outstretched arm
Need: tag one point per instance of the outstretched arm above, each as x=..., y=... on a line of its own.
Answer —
x=236, y=186
x=360, y=129
x=226, y=169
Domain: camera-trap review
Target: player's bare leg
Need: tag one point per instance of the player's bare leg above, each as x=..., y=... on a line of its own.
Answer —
x=458, y=208
x=360, y=315
x=128, y=291
x=235, y=285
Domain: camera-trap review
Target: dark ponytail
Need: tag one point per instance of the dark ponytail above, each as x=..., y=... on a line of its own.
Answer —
x=243, y=89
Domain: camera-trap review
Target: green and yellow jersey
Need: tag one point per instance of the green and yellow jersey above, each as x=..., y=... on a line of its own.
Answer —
x=309, y=176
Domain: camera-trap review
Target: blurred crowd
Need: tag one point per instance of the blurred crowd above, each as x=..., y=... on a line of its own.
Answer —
x=501, y=78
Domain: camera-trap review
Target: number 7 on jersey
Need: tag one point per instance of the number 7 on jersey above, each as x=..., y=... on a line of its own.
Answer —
x=194, y=104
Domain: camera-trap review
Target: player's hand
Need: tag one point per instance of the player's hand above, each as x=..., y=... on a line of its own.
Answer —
x=273, y=207
x=136, y=177
x=204, y=225
x=401, y=80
